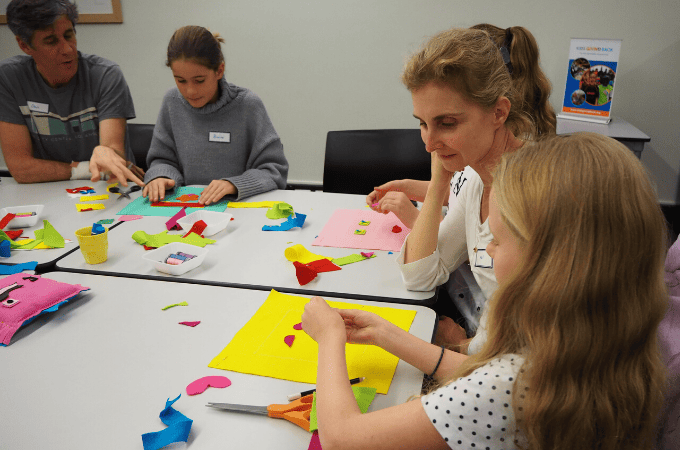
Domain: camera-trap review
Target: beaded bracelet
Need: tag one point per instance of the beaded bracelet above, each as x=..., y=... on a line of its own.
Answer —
x=438, y=363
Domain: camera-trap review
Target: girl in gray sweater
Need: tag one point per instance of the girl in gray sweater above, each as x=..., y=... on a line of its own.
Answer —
x=209, y=131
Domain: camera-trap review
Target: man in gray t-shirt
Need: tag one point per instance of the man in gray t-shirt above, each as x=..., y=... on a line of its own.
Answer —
x=63, y=114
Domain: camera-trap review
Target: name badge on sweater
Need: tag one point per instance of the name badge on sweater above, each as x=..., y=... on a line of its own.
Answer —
x=39, y=107
x=483, y=259
x=216, y=136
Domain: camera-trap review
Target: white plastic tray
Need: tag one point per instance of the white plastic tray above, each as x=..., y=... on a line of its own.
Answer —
x=156, y=258
x=215, y=221
x=22, y=222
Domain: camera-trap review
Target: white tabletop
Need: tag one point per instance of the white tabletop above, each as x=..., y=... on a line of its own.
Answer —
x=246, y=256
x=617, y=129
x=60, y=210
x=97, y=373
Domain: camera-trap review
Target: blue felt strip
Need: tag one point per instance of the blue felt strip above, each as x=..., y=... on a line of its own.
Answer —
x=292, y=222
x=10, y=270
x=178, y=429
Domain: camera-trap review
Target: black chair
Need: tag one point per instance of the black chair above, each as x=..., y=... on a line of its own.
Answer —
x=140, y=140
x=357, y=161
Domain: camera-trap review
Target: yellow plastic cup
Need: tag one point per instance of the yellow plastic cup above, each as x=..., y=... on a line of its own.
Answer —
x=95, y=248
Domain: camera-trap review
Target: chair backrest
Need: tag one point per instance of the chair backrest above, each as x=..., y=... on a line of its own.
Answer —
x=358, y=160
x=140, y=140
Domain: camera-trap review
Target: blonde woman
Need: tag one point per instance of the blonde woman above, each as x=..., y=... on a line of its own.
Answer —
x=571, y=360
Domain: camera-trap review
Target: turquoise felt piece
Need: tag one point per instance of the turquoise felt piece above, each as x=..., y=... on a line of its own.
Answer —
x=142, y=206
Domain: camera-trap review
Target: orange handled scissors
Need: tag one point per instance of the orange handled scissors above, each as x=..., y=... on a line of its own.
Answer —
x=297, y=411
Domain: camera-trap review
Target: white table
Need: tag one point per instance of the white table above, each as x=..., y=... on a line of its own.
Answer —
x=97, y=373
x=59, y=209
x=246, y=256
x=617, y=129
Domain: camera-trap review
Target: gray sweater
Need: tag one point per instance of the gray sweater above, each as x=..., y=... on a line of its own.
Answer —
x=231, y=139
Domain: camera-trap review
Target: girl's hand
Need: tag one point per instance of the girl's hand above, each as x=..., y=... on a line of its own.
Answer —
x=400, y=205
x=379, y=192
x=363, y=327
x=156, y=188
x=320, y=321
x=215, y=191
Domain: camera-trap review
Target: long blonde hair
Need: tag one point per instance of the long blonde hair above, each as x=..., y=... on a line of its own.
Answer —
x=585, y=303
x=470, y=62
x=531, y=85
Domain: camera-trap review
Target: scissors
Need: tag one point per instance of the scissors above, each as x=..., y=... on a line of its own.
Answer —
x=126, y=194
x=297, y=411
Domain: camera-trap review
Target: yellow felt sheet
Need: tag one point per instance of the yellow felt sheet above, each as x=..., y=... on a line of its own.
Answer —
x=89, y=198
x=267, y=204
x=259, y=349
x=299, y=253
x=82, y=206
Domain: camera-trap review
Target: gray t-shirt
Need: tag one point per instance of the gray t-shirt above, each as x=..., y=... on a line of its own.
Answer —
x=64, y=122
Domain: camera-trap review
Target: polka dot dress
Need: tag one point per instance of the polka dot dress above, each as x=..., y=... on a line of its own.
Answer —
x=475, y=411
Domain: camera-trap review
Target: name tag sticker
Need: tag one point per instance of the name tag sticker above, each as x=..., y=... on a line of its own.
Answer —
x=482, y=259
x=39, y=107
x=216, y=136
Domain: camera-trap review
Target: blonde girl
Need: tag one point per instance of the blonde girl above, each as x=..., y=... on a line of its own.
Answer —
x=571, y=360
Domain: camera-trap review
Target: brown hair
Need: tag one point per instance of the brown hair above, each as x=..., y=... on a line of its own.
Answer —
x=585, y=302
x=532, y=87
x=472, y=64
x=197, y=44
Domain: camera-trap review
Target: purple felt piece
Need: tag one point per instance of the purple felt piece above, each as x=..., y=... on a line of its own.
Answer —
x=190, y=324
x=297, y=326
x=289, y=340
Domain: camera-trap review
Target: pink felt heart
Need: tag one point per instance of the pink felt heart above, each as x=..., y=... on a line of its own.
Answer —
x=367, y=254
x=289, y=340
x=298, y=326
x=200, y=385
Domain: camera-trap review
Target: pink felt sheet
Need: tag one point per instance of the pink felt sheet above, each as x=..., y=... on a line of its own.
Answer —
x=339, y=231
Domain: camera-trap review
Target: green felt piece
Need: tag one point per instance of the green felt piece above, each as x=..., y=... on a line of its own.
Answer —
x=363, y=395
x=176, y=304
x=279, y=211
x=50, y=236
x=349, y=259
x=162, y=238
x=142, y=206
x=106, y=221
x=34, y=243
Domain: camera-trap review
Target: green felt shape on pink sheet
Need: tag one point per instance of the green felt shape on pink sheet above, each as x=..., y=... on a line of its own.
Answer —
x=176, y=304
x=289, y=340
x=364, y=396
x=199, y=386
x=162, y=238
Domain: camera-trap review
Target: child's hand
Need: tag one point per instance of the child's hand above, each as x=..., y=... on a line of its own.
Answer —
x=379, y=192
x=156, y=188
x=215, y=191
x=400, y=205
x=320, y=321
x=362, y=327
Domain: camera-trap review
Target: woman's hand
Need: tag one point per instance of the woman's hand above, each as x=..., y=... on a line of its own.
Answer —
x=441, y=178
x=215, y=191
x=156, y=188
x=379, y=192
x=320, y=321
x=400, y=205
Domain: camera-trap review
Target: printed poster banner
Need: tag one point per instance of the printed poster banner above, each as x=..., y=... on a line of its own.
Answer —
x=591, y=79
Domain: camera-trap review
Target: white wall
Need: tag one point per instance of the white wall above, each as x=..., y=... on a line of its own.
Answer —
x=321, y=65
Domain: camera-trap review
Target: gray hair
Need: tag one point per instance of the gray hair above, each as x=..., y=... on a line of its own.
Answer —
x=24, y=17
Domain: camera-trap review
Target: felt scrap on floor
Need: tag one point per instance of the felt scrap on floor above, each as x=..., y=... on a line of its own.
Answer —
x=5, y=249
x=176, y=304
x=6, y=220
x=162, y=238
x=127, y=218
x=303, y=273
x=349, y=259
x=178, y=429
x=81, y=207
x=10, y=270
x=289, y=340
x=279, y=211
x=91, y=198
x=190, y=324
x=106, y=221
x=267, y=204
x=364, y=396
x=172, y=223
x=315, y=443
x=256, y=348
x=294, y=221
x=197, y=228
x=322, y=265
x=187, y=198
x=297, y=326
x=299, y=253
x=199, y=386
